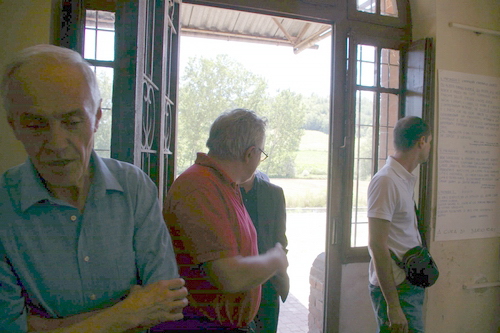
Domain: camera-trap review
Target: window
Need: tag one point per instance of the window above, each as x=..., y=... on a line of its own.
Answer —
x=377, y=96
x=382, y=7
x=99, y=42
x=390, y=13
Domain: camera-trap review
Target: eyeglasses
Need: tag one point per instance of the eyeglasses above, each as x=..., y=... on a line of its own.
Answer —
x=263, y=158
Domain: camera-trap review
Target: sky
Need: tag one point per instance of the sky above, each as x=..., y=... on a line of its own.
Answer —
x=306, y=73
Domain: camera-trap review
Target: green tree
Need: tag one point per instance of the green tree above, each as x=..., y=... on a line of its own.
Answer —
x=286, y=114
x=318, y=113
x=207, y=88
x=211, y=86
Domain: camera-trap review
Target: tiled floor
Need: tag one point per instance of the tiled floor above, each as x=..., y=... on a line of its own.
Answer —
x=293, y=316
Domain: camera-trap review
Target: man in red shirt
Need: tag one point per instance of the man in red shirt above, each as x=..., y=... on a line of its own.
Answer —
x=213, y=235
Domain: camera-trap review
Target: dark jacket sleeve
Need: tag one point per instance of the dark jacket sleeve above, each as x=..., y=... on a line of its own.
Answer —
x=271, y=226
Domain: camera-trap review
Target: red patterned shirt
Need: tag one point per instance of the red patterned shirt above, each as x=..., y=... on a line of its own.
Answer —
x=208, y=221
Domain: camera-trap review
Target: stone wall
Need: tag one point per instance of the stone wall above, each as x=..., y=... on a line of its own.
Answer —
x=316, y=295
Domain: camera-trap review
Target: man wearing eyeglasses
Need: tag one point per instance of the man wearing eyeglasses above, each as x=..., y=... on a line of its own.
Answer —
x=213, y=235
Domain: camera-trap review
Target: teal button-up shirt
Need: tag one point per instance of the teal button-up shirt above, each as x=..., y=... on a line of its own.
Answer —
x=62, y=262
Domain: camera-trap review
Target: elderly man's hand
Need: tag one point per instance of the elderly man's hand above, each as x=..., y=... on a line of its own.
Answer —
x=158, y=302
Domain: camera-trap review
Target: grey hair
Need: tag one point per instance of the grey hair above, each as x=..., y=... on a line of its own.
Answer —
x=233, y=132
x=45, y=53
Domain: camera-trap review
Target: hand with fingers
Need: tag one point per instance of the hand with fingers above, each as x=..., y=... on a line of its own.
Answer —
x=397, y=320
x=280, y=254
x=158, y=302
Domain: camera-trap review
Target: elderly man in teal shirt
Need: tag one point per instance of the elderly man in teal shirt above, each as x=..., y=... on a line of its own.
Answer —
x=83, y=245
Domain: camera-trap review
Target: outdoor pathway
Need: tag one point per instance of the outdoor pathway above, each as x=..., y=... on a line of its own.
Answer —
x=293, y=316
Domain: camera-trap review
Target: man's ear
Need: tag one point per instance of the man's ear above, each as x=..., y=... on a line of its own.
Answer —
x=248, y=154
x=422, y=141
x=98, y=116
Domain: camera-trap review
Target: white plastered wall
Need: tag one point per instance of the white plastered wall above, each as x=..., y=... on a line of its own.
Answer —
x=450, y=307
x=22, y=23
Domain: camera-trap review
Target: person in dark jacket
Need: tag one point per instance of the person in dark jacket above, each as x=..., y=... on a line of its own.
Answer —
x=265, y=203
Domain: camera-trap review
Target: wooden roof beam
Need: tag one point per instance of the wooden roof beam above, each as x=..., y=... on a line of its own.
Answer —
x=282, y=28
x=309, y=42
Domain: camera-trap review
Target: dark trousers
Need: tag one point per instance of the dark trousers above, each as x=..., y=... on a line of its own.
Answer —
x=266, y=320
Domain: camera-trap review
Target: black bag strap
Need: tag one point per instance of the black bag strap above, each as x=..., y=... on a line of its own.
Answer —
x=396, y=259
x=420, y=225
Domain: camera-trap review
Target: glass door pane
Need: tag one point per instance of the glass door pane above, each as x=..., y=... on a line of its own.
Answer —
x=376, y=112
x=99, y=45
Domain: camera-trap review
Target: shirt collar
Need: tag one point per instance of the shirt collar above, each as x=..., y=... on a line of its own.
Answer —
x=34, y=191
x=400, y=170
x=103, y=180
x=32, y=188
x=206, y=161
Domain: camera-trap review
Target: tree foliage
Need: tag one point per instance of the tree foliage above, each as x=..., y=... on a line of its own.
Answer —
x=318, y=113
x=286, y=113
x=211, y=86
x=208, y=88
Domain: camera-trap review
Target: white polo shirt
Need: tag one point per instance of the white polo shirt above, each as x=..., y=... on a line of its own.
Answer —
x=390, y=197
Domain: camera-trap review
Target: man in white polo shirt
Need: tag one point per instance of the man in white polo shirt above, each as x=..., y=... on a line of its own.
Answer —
x=393, y=226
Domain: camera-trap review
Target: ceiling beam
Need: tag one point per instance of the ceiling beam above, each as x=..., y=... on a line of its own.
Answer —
x=309, y=42
x=282, y=28
x=303, y=31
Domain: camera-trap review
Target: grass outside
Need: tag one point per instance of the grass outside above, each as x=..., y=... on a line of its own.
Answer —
x=309, y=188
x=301, y=193
x=314, y=141
x=312, y=157
x=311, y=164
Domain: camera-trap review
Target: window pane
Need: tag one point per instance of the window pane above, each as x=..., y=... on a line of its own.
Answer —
x=359, y=230
x=105, y=20
x=105, y=45
x=90, y=19
x=388, y=8
x=102, y=139
x=365, y=107
x=389, y=110
x=366, y=53
x=368, y=6
x=359, y=220
x=389, y=68
x=366, y=65
x=363, y=164
x=89, y=47
x=99, y=35
x=376, y=113
x=365, y=137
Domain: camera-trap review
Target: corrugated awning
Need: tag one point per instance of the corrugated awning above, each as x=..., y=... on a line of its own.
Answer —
x=232, y=25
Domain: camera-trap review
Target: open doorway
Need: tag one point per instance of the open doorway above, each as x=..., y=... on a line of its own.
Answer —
x=281, y=68
x=285, y=78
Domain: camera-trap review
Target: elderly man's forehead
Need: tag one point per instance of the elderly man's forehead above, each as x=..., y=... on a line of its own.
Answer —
x=50, y=88
x=42, y=78
x=48, y=71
